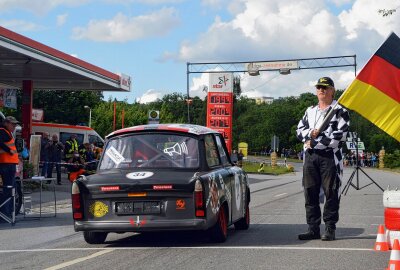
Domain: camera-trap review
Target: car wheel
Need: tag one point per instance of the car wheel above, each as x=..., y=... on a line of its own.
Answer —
x=219, y=232
x=244, y=222
x=95, y=237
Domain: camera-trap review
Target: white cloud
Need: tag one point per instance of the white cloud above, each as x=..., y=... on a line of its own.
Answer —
x=38, y=6
x=122, y=28
x=19, y=25
x=292, y=29
x=61, y=19
x=150, y=96
x=199, y=85
x=364, y=16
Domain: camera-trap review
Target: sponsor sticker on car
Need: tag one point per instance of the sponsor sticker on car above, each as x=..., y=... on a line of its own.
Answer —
x=114, y=155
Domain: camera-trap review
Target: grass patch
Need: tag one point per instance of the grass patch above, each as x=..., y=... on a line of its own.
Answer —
x=251, y=167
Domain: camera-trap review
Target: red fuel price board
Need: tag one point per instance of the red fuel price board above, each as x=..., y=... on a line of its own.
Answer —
x=219, y=114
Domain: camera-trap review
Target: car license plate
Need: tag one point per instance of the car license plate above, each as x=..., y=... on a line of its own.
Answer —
x=137, y=208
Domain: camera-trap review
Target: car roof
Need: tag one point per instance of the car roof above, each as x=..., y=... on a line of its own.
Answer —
x=184, y=128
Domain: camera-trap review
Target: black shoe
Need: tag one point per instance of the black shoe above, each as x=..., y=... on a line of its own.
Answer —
x=59, y=183
x=329, y=235
x=310, y=235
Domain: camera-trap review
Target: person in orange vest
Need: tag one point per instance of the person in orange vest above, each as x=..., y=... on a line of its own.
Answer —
x=8, y=162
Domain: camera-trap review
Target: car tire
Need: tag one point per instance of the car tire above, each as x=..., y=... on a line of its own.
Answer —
x=244, y=222
x=219, y=232
x=94, y=237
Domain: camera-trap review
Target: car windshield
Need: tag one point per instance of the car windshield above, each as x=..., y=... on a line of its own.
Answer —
x=151, y=151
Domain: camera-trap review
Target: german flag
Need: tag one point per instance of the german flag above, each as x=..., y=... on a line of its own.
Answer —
x=375, y=92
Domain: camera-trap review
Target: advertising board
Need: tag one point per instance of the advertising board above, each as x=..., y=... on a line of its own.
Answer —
x=220, y=106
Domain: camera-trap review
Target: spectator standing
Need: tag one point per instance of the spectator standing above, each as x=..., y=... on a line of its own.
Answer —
x=354, y=158
x=55, y=152
x=82, y=150
x=71, y=145
x=89, y=157
x=8, y=162
x=323, y=163
x=240, y=158
x=373, y=159
x=97, y=151
x=368, y=160
x=44, y=152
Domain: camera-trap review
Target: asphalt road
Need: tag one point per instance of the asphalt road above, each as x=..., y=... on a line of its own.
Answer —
x=277, y=216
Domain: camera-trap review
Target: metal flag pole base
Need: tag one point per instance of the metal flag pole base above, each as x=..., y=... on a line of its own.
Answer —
x=357, y=186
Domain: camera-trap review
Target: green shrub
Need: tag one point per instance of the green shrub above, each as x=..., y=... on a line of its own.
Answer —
x=392, y=161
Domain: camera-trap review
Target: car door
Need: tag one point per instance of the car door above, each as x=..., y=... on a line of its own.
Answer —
x=218, y=175
x=233, y=187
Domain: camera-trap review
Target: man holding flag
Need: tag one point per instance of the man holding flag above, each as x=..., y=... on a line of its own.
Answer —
x=323, y=160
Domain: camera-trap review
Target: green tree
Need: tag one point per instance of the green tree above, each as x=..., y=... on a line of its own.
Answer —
x=66, y=107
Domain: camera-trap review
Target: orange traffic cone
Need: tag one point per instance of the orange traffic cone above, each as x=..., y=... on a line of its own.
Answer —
x=394, y=262
x=381, y=243
x=390, y=236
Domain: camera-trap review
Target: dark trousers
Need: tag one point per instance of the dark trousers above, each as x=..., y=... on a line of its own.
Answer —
x=58, y=170
x=45, y=167
x=319, y=170
x=7, y=172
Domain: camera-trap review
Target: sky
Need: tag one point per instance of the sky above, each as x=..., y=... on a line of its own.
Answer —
x=153, y=40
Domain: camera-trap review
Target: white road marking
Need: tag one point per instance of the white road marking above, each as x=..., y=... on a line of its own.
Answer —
x=280, y=194
x=66, y=264
x=105, y=249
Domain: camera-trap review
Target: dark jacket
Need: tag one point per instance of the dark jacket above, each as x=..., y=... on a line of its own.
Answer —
x=55, y=151
x=44, y=146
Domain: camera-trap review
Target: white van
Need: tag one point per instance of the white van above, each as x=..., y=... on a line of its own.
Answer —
x=83, y=134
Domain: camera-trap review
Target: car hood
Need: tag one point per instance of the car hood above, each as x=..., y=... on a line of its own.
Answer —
x=140, y=180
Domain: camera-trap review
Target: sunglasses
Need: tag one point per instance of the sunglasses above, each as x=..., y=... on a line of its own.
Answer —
x=322, y=87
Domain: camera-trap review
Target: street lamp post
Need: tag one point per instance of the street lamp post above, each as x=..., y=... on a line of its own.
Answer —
x=90, y=114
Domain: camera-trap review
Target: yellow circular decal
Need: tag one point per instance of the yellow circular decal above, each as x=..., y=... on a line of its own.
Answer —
x=98, y=209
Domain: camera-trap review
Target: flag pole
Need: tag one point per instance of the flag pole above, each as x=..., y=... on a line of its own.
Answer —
x=330, y=114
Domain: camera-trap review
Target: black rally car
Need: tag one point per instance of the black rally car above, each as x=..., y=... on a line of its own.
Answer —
x=162, y=177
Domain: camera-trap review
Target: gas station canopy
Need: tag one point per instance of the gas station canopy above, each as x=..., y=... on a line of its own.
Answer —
x=27, y=65
x=23, y=59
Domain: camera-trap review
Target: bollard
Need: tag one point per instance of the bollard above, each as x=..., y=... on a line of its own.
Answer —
x=381, y=156
x=273, y=159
